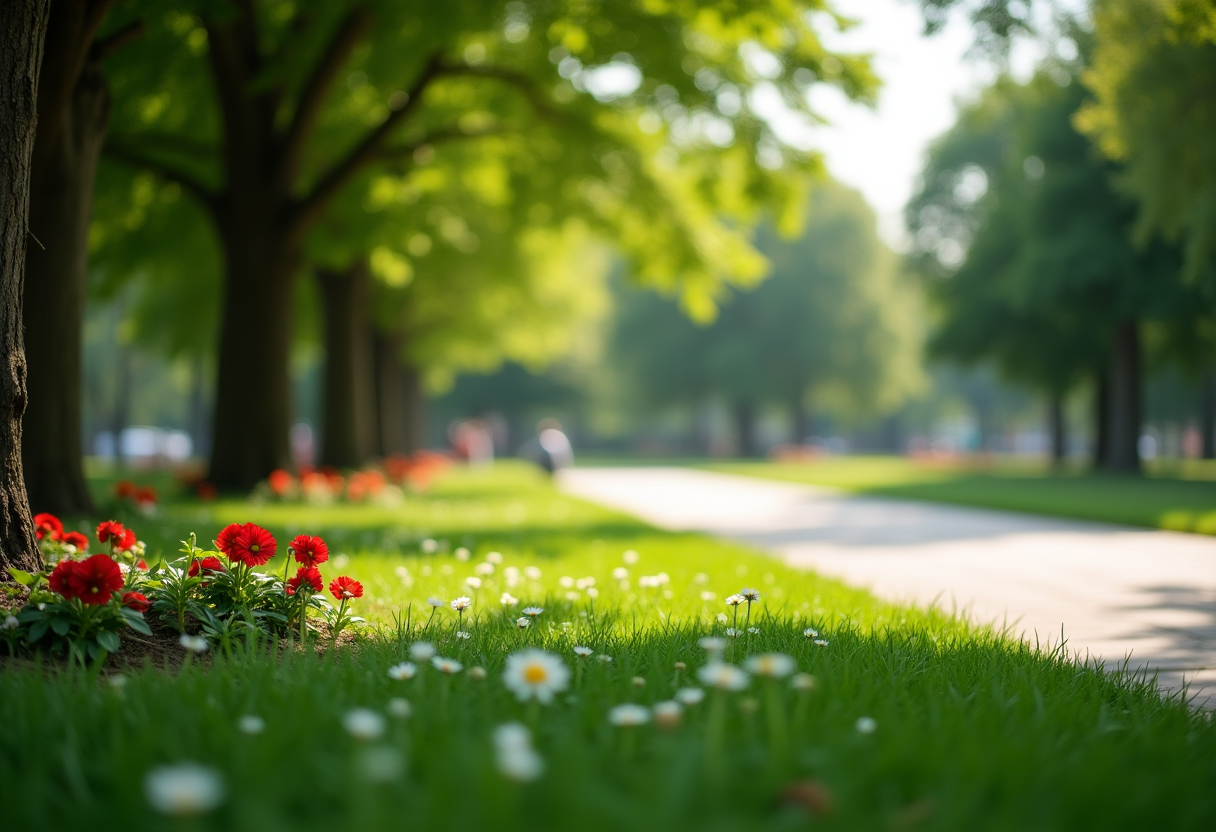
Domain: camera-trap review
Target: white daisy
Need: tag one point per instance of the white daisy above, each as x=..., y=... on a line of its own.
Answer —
x=363, y=724
x=604, y=659
x=463, y=635
x=866, y=725
x=821, y=642
x=531, y=573
x=422, y=651
x=668, y=714
x=436, y=602
x=731, y=632
x=712, y=645
x=399, y=707
x=734, y=600
x=402, y=671
x=473, y=582
x=462, y=553
x=811, y=632
x=690, y=696
x=722, y=618
x=772, y=665
x=532, y=612
x=430, y=546
x=723, y=676
x=183, y=789
x=638, y=682
x=583, y=652
x=755, y=631
x=620, y=573
x=195, y=644
x=535, y=674
x=573, y=595
x=477, y=674
x=708, y=596
x=523, y=623
x=628, y=715
x=508, y=600
x=630, y=557
x=448, y=666
x=748, y=594
x=10, y=623
x=593, y=592
x=803, y=681
x=494, y=557
x=462, y=603
x=566, y=582
x=250, y=724
x=516, y=758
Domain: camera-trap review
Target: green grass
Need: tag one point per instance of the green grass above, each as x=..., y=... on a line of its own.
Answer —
x=1180, y=497
x=973, y=731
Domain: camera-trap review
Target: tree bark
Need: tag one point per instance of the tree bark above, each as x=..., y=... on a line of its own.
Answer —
x=74, y=113
x=415, y=408
x=1207, y=415
x=745, y=429
x=347, y=418
x=1125, y=405
x=1057, y=428
x=389, y=395
x=23, y=26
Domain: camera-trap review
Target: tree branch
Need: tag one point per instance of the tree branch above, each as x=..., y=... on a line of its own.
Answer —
x=519, y=80
x=309, y=208
x=438, y=137
x=352, y=30
x=115, y=149
x=103, y=48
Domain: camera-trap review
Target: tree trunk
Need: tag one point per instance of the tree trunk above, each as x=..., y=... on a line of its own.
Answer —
x=120, y=415
x=253, y=384
x=198, y=408
x=1101, y=447
x=61, y=197
x=389, y=395
x=347, y=397
x=1057, y=428
x=1124, y=395
x=800, y=418
x=745, y=429
x=22, y=30
x=415, y=408
x=1207, y=415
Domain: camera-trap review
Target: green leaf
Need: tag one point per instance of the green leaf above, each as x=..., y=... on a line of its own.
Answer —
x=61, y=626
x=23, y=578
x=109, y=641
x=38, y=629
x=94, y=650
x=136, y=621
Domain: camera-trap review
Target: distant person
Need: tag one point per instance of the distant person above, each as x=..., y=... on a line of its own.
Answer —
x=472, y=442
x=550, y=449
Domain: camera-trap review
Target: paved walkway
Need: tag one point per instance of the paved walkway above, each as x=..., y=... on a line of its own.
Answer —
x=1113, y=591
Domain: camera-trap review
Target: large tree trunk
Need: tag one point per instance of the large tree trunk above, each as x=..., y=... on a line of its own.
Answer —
x=415, y=408
x=22, y=31
x=1057, y=428
x=73, y=111
x=1207, y=415
x=745, y=429
x=253, y=386
x=347, y=418
x=389, y=395
x=1125, y=408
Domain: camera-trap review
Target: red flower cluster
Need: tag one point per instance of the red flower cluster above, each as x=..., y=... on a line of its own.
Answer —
x=344, y=588
x=47, y=525
x=249, y=544
x=207, y=564
x=308, y=576
x=75, y=539
x=129, y=491
x=93, y=580
x=280, y=481
x=310, y=551
x=119, y=537
x=136, y=601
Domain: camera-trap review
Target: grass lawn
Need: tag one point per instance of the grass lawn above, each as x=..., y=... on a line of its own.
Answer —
x=1181, y=498
x=916, y=721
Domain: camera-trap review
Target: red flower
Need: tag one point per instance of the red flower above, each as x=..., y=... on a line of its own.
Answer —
x=306, y=576
x=344, y=587
x=209, y=564
x=249, y=544
x=108, y=529
x=95, y=579
x=47, y=525
x=310, y=551
x=146, y=496
x=135, y=601
x=280, y=481
x=124, y=490
x=125, y=541
x=75, y=539
x=206, y=491
x=143, y=564
x=61, y=578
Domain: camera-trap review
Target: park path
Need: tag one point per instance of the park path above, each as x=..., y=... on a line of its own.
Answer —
x=1113, y=591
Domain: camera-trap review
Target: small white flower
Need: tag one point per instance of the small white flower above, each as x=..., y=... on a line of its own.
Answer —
x=755, y=631
x=821, y=642
x=422, y=651
x=477, y=674
x=532, y=612
x=462, y=603
x=508, y=600
x=399, y=707
x=749, y=594
x=603, y=658
x=183, y=789
x=195, y=644
x=630, y=557
x=363, y=724
x=620, y=573
x=462, y=553
x=494, y=557
x=731, y=632
x=712, y=645
x=430, y=546
x=722, y=618
x=866, y=725
x=472, y=582
x=668, y=714
x=583, y=652
x=117, y=680
x=638, y=682
x=381, y=764
x=690, y=696
x=402, y=671
x=811, y=632
x=566, y=581
x=734, y=600
x=772, y=665
x=436, y=602
x=531, y=573
x=523, y=623
x=803, y=682
x=250, y=724
x=708, y=596
x=516, y=758
x=535, y=674
x=723, y=676
x=573, y=595
x=448, y=666
x=593, y=592
x=463, y=635
x=628, y=715
x=10, y=623
x=700, y=578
